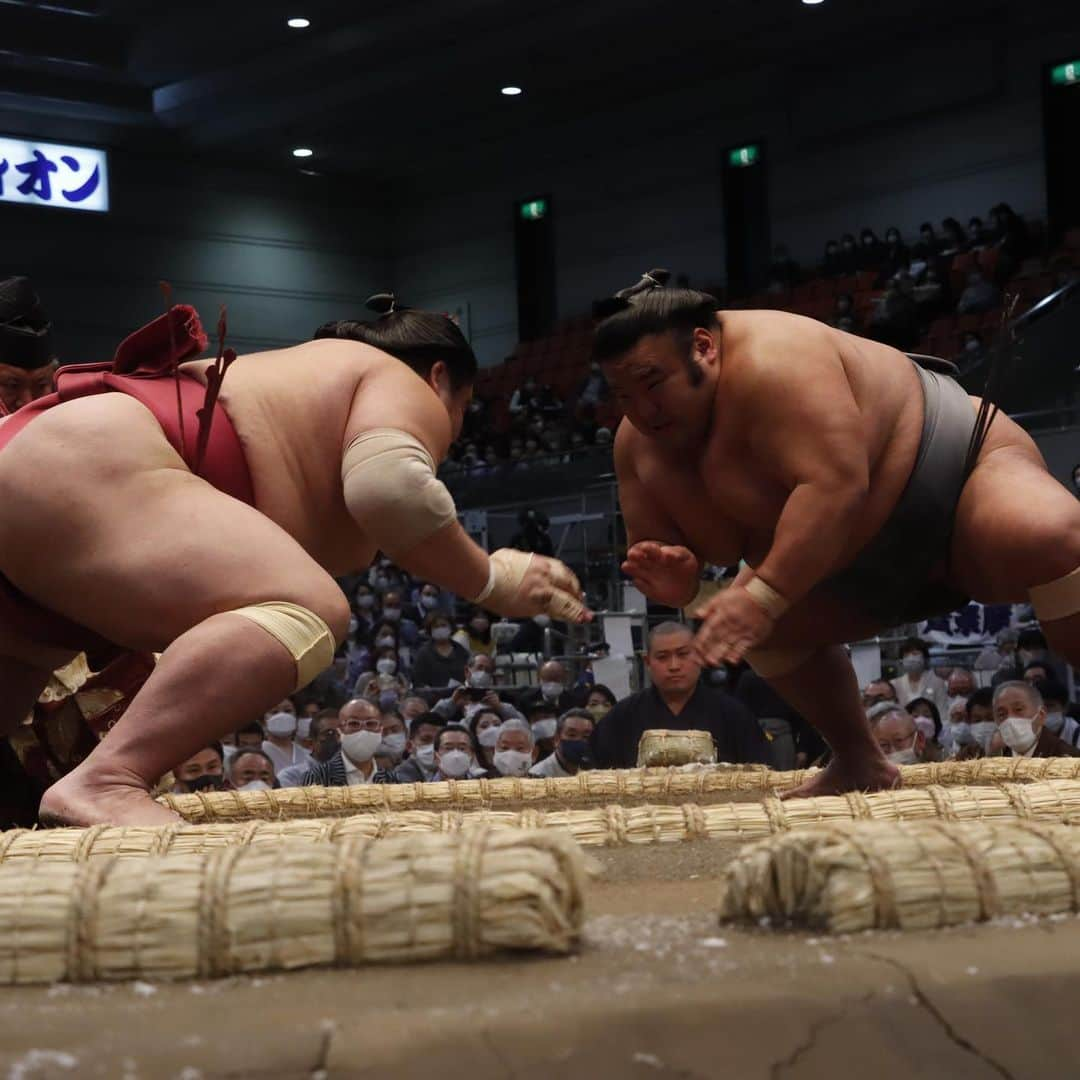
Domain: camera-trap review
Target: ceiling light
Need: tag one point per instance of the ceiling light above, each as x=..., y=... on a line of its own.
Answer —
x=812, y=2
x=303, y=151
x=299, y=24
x=510, y=91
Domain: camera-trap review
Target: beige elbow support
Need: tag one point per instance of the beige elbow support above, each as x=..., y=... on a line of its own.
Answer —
x=391, y=489
x=1057, y=599
x=773, y=663
x=302, y=632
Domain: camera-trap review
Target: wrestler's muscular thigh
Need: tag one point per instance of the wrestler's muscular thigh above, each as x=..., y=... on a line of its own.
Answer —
x=115, y=533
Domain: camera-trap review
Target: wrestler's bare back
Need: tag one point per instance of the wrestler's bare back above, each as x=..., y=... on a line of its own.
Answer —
x=723, y=496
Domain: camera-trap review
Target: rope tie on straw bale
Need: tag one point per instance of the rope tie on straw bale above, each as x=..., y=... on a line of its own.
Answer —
x=87, y=838
x=881, y=882
x=775, y=813
x=82, y=919
x=1069, y=863
x=212, y=929
x=531, y=818
x=1018, y=799
x=697, y=828
x=7, y=841
x=944, y=807
x=465, y=918
x=339, y=901
x=931, y=859
x=859, y=807
x=986, y=889
x=615, y=817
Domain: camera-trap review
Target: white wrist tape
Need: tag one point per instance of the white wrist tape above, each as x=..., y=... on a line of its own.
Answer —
x=769, y=600
x=506, y=571
x=391, y=490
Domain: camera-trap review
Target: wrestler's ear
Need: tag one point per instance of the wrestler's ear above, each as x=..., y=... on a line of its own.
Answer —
x=705, y=346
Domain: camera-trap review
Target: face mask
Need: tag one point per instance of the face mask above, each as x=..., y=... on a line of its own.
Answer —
x=455, y=764
x=393, y=745
x=359, y=746
x=512, y=762
x=440, y=633
x=542, y=621
x=573, y=751
x=425, y=755
x=1018, y=733
x=386, y=666
x=551, y=690
x=961, y=733
x=972, y=346
x=1055, y=721
x=545, y=729
x=366, y=601
x=480, y=625
x=354, y=625
x=254, y=785
x=982, y=731
x=391, y=613
x=206, y=782
x=957, y=701
x=925, y=725
x=904, y=757
x=913, y=663
x=281, y=724
x=429, y=601
x=488, y=736
x=385, y=642
x=481, y=679
x=598, y=712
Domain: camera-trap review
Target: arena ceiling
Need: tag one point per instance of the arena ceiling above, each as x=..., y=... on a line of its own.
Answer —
x=385, y=92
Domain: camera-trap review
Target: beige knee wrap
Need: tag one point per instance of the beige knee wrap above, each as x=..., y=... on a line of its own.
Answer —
x=391, y=490
x=302, y=632
x=771, y=663
x=1057, y=599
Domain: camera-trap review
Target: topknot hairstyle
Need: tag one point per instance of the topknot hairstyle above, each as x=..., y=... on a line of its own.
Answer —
x=419, y=339
x=649, y=307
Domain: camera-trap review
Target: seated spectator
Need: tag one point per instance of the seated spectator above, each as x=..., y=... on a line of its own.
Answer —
x=455, y=754
x=203, y=771
x=387, y=635
x=900, y=740
x=532, y=534
x=431, y=598
x=1010, y=235
x=784, y=272
x=554, y=690
x=27, y=361
x=515, y=750
x=412, y=707
x=844, y=312
x=928, y=246
x=325, y=743
x=1058, y=721
x=485, y=725
x=973, y=353
x=360, y=735
x=928, y=720
x=395, y=735
x=895, y=256
x=251, y=770
x=393, y=612
x=677, y=700
x=960, y=683
x=896, y=320
x=247, y=738
x=976, y=234
x=1020, y=715
x=979, y=295
x=830, y=264
x=918, y=680
x=543, y=719
x=594, y=388
x=877, y=691
x=280, y=745
x=573, y=733
x=419, y=763
x=548, y=402
x=1001, y=656
x=475, y=636
x=477, y=693
x=600, y=701
x=522, y=399
x=476, y=421
x=871, y=251
x=848, y=259
x=972, y=735
x=440, y=661
x=954, y=239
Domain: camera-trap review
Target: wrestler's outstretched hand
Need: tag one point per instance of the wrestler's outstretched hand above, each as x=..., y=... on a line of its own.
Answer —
x=734, y=623
x=665, y=573
x=527, y=584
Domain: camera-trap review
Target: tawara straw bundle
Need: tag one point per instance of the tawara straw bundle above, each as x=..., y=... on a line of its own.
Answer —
x=1054, y=801
x=660, y=747
x=290, y=906
x=588, y=787
x=844, y=878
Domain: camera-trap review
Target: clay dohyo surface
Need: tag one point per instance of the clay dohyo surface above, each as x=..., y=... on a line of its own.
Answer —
x=659, y=988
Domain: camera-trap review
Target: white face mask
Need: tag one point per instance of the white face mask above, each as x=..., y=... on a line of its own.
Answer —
x=455, y=763
x=545, y=729
x=366, y=601
x=925, y=725
x=957, y=701
x=1055, y=721
x=385, y=642
x=360, y=746
x=913, y=663
x=961, y=733
x=1018, y=732
x=489, y=736
x=512, y=762
x=440, y=633
x=551, y=690
x=281, y=724
x=425, y=755
x=254, y=785
x=393, y=746
x=982, y=731
x=907, y=756
x=386, y=666
x=391, y=613
x=429, y=601
x=480, y=679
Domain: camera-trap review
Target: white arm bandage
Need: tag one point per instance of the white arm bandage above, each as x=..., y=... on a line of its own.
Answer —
x=391, y=490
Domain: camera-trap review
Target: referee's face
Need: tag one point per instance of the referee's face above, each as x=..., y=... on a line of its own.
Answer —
x=672, y=664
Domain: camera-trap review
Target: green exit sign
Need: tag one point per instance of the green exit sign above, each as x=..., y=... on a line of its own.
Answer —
x=534, y=209
x=1066, y=74
x=744, y=156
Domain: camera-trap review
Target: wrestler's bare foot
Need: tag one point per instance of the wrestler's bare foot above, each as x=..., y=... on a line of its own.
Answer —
x=848, y=774
x=76, y=799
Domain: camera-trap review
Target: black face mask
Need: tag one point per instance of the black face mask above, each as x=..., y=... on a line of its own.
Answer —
x=207, y=782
